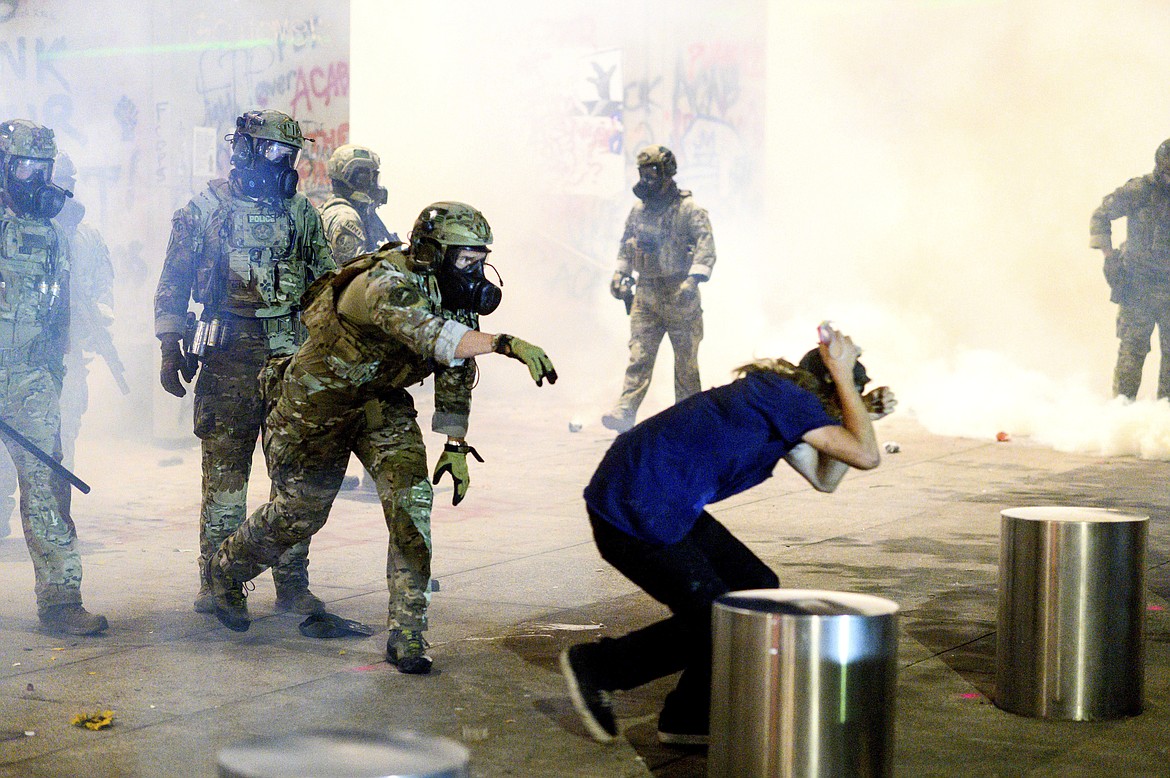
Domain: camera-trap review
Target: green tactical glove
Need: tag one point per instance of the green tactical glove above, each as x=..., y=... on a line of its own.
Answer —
x=688, y=290
x=539, y=365
x=453, y=460
x=174, y=364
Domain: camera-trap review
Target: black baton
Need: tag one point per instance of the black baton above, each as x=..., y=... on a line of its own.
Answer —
x=53, y=464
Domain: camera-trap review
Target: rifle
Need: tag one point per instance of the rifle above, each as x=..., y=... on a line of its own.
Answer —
x=53, y=464
x=102, y=343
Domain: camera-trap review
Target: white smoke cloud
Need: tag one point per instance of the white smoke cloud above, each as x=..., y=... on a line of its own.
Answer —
x=931, y=169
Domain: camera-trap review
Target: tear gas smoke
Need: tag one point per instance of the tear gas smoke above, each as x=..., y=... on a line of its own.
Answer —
x=931, y=167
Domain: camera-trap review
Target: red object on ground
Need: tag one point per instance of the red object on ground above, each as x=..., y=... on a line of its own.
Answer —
x=1002, y=437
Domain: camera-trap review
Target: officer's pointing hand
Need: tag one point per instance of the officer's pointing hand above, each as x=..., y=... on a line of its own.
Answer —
x=539, y=365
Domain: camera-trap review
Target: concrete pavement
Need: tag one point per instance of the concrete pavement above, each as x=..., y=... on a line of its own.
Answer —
x=519, y=580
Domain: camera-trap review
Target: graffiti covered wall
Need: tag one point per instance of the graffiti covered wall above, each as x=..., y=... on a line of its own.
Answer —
x=141, y=96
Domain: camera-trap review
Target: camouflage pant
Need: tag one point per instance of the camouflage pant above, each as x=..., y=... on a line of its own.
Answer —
x=1135, y=324
x=30, y=403
x=308, y=447
x=229, y=412
x=657, y=312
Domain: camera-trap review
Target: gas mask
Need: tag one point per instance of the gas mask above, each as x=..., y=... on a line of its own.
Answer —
x=30, y=188
x=264, y=168
x=462, y=283
x=652, y=184
x=365, y=190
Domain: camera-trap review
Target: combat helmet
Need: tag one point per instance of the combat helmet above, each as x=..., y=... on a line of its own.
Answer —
x=660, y=158
x=27, y=152
x=265, y=146
x=353, y=165
x=22, y=138
x=444, y=224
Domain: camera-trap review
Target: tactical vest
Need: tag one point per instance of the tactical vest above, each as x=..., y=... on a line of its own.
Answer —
x=30, y=253
x=661, y=242
x=263, y=278
x=362, y=355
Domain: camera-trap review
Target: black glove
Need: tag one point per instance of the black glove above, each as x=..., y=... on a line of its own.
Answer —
x=174, y=364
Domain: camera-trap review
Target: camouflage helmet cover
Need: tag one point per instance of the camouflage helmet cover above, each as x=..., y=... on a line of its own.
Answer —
x=660, y=157
x=271, y=125
x=1162, y=157
x=451, y=224
x=348, y=159
x=22, y=138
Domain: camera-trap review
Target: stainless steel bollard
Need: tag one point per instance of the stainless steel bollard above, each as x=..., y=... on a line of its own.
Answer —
x=1071, y=610
x=802, y=684
x=345, y=753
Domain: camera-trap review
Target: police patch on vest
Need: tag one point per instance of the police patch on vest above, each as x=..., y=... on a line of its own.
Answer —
x=31, y=241
x=262, y=232
x=261, y=218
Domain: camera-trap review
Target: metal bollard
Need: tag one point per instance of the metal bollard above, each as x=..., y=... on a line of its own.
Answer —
x=1071, y=611
x=348, y=753
x=802, y=684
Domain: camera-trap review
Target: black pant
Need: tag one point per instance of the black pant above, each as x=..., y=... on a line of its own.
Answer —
x=686, y=577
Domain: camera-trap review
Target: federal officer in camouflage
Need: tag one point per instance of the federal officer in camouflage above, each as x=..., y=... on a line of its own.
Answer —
x=34, y=333
x=1139, y=272
x=351, y=217
x=91, y=307
x=668, y=249
x=381, y=323
x=246, y=249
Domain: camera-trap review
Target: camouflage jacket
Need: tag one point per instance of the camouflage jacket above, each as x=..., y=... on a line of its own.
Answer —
x=348, y=234
x=34, y=294
x=201, y=244
x=91, y=286
x=389, y=332
x=1145, y=203
x=667, y=238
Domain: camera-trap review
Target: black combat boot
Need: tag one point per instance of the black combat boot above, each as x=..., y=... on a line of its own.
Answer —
x=406, y=650
x=231, y=603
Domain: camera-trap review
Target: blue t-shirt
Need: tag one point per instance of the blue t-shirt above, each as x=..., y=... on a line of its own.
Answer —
x=656, y=479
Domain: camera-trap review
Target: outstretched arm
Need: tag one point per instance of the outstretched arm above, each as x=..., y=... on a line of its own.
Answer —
x=474, y=343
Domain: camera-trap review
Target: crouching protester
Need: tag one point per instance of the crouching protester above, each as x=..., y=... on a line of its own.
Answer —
x=382, y=322
x=647, y=502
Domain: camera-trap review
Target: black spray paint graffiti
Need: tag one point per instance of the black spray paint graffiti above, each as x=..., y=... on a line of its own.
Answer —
x=29, y=69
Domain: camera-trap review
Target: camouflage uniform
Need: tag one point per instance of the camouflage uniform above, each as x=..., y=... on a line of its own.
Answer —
x=34, y=332
x=1139, y=275
x=249, y=261
x=344, y=391
x=91, y=286
x=350, y=216
x=666, y=241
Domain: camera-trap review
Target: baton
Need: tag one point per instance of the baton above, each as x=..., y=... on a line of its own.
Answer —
x=53, y=464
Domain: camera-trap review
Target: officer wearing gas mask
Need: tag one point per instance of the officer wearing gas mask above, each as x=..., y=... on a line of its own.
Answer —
x=667, y=244
x=350, y=215
x=34, y=333
x=377, y=326
x=246, y=249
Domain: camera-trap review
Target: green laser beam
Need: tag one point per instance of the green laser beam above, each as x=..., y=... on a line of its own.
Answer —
x=165, y=48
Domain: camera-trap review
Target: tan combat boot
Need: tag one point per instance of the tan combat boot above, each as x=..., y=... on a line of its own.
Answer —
x=72, y=619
